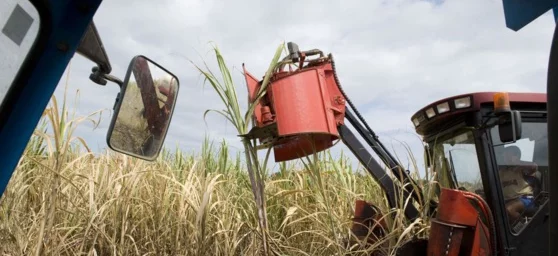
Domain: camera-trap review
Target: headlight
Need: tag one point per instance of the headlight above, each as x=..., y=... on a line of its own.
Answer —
x=416, y=122
x=462, y=102
x=443, y=107
x=430, y=113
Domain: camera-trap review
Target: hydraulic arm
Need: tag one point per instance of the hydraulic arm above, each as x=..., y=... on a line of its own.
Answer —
x=304, y=111
x=374, y=168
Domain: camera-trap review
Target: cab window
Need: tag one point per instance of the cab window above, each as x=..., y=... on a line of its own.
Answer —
x=19, y=27
x=456, y=162
x=523, y=172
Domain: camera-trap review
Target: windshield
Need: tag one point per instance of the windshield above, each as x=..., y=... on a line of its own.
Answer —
x=455, y=161
x=19, y=27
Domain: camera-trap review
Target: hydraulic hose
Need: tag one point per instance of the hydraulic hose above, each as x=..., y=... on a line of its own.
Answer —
x=490, y=218
x=416, y=193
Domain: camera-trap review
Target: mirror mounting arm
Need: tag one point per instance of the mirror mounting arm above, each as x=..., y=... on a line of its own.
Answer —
x=489, y=120
x=98, y=76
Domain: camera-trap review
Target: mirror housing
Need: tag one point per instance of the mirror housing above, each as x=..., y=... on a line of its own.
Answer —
x=509, y=126
x=143, y=109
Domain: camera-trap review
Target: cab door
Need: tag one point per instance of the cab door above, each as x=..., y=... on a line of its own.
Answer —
x=527, y=234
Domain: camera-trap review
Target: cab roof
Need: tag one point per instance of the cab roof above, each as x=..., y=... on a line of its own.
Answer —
x=445, y=109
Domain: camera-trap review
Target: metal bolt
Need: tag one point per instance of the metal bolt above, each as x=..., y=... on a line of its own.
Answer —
x=339, y=100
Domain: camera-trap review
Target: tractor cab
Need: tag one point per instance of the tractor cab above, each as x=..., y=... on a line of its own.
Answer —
x=494, y=145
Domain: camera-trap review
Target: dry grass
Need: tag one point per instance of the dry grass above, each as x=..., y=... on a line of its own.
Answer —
x=179, y=205
x=63, y=200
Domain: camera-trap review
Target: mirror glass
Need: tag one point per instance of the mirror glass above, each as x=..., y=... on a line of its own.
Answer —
x=143, y=111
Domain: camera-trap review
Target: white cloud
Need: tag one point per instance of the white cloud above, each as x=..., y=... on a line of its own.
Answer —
x=393, y=57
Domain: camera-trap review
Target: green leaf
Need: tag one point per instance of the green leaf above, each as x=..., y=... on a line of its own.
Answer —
x=265, y=83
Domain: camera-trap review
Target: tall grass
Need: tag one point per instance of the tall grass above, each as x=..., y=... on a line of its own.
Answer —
x=226, y=89
x=63, y=200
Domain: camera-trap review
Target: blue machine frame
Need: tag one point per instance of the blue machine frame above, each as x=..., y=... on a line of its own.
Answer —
x=63, y=23
x=519, y=13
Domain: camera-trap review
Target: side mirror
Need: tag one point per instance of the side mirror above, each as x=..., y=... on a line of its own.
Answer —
x=143, y=110
x=509, y=126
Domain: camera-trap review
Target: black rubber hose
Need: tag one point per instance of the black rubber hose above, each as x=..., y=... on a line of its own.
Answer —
x=552, y=105
x=417, y=192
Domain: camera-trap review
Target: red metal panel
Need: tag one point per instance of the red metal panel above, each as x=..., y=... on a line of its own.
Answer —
x=457, y=228
x=301, y=145
x=253, y=88
x=455, y=208
x=306, y=105
x=301, y=103
x=445, y=239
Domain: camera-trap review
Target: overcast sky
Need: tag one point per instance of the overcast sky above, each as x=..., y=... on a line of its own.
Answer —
x=393, y=57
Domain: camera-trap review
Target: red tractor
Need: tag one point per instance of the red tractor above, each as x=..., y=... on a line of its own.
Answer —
x=489, y=152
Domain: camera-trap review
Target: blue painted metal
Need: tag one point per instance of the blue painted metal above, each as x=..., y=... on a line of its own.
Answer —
x=69, y=20
x=519, y=13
